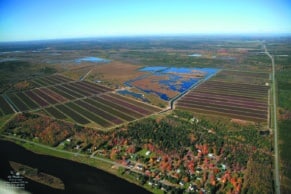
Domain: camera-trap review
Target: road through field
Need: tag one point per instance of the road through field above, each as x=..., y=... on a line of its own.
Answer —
x=84, y=77
x=174, y=100
x=276, y=170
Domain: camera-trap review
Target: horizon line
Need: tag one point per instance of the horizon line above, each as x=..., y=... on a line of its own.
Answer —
x=263, y=34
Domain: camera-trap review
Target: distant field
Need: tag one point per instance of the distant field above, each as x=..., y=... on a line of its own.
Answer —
x=114, y=74
x=233, y=94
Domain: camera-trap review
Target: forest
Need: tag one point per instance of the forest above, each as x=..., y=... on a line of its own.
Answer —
x=215, y=155
x=284, y=92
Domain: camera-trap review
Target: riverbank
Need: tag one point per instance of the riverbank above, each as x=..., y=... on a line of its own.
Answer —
x=77, y=159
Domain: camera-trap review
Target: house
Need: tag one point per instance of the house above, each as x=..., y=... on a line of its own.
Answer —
x=223, y=166
x=147, y=153
x=192, y=187
x=210, y=155
x=159, y=159
x=181, y=183
x=139, y=167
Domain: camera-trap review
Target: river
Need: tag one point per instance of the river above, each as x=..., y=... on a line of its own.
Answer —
x=78, y=178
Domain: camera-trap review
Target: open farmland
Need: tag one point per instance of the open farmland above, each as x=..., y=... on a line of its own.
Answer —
x=5, y=107
x=105, y=110
x=245, y=97
x=50, y=80
x=106, y=73
x=62, y=91
x=80, y=102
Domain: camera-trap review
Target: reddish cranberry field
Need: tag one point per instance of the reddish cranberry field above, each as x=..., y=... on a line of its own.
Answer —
x=76, y=101
x=247, y=101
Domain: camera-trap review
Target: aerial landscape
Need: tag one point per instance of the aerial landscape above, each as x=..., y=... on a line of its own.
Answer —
x=145, y=97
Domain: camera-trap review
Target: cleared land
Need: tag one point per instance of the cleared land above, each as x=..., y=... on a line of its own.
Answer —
x=5, y=108
x=115, y=73
x=79, y=101
x=105, y=110
x=246, y=101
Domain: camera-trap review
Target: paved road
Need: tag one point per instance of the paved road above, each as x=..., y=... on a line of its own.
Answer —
x=276, y=150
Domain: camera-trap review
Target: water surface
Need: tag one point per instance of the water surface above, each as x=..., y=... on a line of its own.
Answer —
x=92, y=59
x=78, y=178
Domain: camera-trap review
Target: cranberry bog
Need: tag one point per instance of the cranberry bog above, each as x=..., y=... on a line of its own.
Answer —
x=80, y=102
x=169, y=82
x=238, y=95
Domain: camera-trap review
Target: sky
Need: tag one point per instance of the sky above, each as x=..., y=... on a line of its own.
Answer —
x=56, y=19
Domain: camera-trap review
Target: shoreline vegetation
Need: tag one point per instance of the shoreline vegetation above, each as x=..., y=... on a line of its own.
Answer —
x=75, y=157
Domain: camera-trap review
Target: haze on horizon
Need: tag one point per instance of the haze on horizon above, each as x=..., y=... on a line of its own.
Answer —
x=57, y=19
